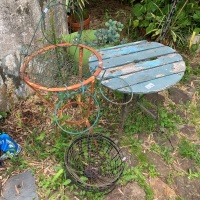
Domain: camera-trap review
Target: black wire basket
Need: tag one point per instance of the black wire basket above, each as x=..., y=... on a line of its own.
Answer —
x=94, y=162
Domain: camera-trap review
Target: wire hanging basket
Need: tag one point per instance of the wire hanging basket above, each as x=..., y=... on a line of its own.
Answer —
x=94, y=162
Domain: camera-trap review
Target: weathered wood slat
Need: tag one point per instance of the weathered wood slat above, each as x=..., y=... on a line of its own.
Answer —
x=124, y=45
x=152, y=86
x=146, y=67
x=132, y=68
x=135, y=57
x=146, y=75
x=117, y=48
x=123, y=50
x=155, y=85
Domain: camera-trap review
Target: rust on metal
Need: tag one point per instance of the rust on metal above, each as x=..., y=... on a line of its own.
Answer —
x=62, y=89
x=91, y=80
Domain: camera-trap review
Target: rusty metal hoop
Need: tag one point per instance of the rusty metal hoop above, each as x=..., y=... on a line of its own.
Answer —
x=80, y=121
x=69, y=88
x=91, y=80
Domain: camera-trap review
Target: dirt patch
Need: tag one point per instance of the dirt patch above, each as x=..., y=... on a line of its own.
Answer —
x=186, y=164
x=161, y=190
x=102, y=11
x=132, y=191
x=154, y=98
x=161, y=166
x=178, y=96
x=187, y=188
x=165, y=140
x=188, y=130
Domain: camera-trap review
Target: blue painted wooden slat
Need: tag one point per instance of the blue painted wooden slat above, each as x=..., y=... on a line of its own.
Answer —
x=155, y=85
x=132, y=68
x=124, y=45
x=134, y=58
x=146, y=67
x=145, y=75
x=93, y=57
x=119, y=51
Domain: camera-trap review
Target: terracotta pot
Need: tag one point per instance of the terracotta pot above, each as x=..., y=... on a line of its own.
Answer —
x=76, y=26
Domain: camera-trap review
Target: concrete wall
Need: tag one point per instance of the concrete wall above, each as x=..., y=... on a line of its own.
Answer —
x=18, y=22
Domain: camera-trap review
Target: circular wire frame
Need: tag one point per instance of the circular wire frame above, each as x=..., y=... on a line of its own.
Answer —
x=109, y=100
x=76, y=86
x=94, y=162
x=77, y=122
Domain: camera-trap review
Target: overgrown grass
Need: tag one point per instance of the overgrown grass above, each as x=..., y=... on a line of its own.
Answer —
x=189, y=150
x=43, y=151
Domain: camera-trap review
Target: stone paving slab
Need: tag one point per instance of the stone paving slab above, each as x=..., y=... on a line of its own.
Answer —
x=20, y=187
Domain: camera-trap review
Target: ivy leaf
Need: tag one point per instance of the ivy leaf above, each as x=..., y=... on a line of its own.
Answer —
x=196, y=16
x=151, y=7
x=150, y=28
x=135, y=23
x=137, y=10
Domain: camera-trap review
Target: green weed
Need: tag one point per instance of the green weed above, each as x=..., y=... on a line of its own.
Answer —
x=179, y=198
x=193, y=174
x=168, y=120
x=135, y=174
x=3, y=115
x=138, y=121
x=189, y=150
x=165, y=152
x=17, y=163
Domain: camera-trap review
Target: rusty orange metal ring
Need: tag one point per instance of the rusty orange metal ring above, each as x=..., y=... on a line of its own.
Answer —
x=89, y=126
x=73, y=87
x=79, y=122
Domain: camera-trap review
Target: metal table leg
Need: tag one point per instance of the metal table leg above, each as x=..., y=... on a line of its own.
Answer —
x=123, y=116
x=155, y=116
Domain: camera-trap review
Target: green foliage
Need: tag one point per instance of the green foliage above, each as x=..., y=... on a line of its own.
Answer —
x=179, y=198
x=3, y=115
x=188, y=71
x=164, y=151
x=151, y=16
x=35, y=145
x=138, y=121
x=191, y=71
x=136, y=174
x=75, y=5
x=55, y=181
x=168, y=120
x=193, y=174
x=17, y=163
x=189, y=150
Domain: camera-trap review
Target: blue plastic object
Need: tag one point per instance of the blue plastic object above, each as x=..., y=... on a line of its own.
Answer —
x=8, y=146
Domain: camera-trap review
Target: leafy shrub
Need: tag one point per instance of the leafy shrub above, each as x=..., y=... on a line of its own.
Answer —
x=150, y=16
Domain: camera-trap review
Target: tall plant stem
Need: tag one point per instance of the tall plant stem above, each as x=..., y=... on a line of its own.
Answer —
x=179, y=13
